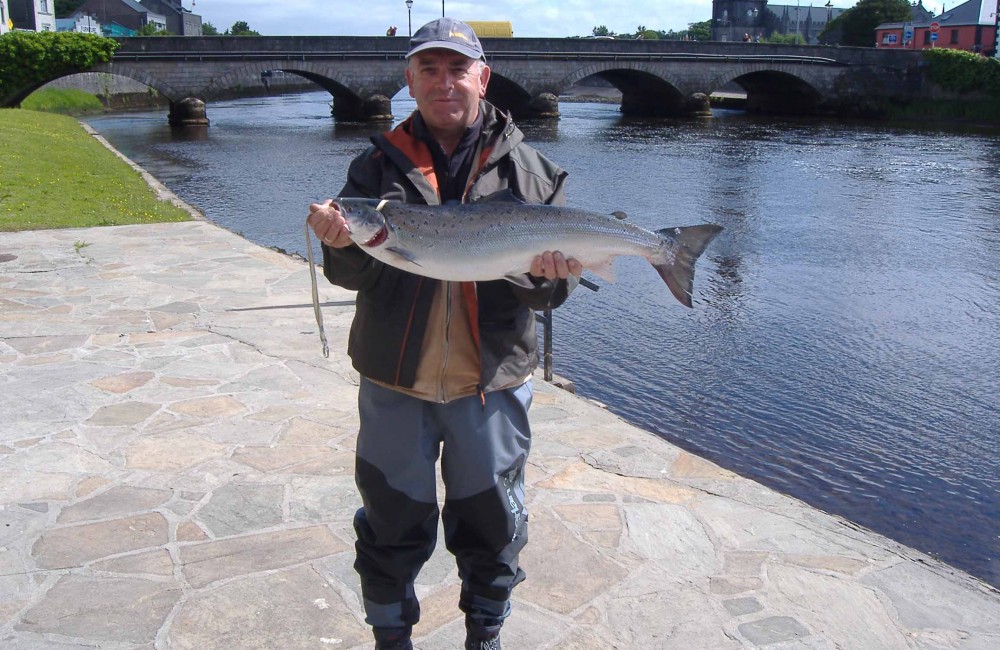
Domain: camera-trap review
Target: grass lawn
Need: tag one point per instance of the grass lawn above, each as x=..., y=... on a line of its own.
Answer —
x=68, y=101
x=54, y=175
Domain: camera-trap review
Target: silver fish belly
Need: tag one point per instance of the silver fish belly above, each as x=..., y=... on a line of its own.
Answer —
x=491, y=240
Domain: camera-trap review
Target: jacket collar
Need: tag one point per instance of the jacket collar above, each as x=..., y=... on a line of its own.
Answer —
x=412, y=156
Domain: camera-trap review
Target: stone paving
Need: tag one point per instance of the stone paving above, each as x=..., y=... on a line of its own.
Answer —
x=176, y=471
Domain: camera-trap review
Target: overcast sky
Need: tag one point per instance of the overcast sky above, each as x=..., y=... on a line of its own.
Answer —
x=554, y=18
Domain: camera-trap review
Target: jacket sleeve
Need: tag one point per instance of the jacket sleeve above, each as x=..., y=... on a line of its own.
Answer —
x=351, y=267
x=540, y=294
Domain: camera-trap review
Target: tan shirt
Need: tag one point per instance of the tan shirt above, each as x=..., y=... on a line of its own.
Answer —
x=449, y=362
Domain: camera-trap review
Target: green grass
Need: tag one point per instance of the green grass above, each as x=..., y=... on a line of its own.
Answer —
x=68, y=101
x=53, y=174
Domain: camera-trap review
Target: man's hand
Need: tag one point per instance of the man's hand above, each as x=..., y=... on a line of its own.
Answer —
x=554, y=265
x=329, y=225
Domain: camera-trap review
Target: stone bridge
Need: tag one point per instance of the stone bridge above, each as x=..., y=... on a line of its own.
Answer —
x=655, y=77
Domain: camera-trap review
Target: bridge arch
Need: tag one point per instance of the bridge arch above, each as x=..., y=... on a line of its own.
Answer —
x=351, y=102
x=646, y=90
x=508, y=90
x=771, y=89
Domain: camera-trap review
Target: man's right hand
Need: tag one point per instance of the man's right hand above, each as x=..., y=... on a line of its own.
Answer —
x=329, y=225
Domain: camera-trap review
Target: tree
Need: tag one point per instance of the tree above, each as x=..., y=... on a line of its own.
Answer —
x=149, y=29
x=603, y=31
x=789, y=39
x=647, y=34
x=859, y=22
x=241, y=28
x=29, y=59
x=208, y=29
x=700, y=31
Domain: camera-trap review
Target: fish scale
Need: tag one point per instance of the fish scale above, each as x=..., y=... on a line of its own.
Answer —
x=494, y=239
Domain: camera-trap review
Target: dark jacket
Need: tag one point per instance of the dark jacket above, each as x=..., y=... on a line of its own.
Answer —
x=393, y=305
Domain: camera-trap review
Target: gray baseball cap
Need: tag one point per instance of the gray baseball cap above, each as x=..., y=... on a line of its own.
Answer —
x=449, y=34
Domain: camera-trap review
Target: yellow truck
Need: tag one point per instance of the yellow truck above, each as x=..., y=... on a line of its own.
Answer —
x=491, y=28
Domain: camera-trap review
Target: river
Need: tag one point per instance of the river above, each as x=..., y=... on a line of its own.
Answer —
x=843, y=344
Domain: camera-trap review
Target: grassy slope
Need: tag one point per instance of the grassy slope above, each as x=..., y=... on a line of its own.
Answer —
x=54, y=175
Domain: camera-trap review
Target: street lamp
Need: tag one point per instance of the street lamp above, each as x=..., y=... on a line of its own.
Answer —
x=409, y=20
x=442, y=8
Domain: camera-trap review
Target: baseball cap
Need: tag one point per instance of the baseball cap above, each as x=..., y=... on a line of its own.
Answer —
x=449, y=34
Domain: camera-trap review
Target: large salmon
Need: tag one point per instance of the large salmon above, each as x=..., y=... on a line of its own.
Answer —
x=500, y=236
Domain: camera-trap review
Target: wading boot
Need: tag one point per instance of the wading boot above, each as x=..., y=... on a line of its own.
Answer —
x=393, y=638
x=478, y=637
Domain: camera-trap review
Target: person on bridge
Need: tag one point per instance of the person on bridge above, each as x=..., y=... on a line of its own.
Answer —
x=446, y=366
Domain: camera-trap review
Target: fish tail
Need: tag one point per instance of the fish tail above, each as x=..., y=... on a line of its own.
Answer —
x=681, y=247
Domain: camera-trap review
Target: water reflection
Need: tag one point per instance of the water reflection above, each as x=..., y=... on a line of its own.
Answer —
x=189, y=134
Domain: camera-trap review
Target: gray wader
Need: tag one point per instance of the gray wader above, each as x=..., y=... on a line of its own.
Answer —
x=483, y=445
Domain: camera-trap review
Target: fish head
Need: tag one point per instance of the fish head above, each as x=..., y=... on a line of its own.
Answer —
x=365, y=220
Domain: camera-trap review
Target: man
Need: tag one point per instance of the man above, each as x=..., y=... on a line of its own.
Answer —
x=445, y=366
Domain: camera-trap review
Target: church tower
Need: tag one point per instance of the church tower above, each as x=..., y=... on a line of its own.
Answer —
x=737, y=20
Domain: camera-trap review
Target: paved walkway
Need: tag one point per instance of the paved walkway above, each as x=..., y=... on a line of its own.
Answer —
x=176, y=471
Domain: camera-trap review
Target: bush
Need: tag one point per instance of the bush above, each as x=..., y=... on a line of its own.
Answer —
x=789, y=39
x=29, y=59
x=963, y=72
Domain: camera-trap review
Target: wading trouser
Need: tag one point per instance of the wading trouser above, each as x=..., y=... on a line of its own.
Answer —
x=483, y=450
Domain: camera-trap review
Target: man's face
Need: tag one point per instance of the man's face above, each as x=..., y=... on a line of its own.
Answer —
x=447, y=86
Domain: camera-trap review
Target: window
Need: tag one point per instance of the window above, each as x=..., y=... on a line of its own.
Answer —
x=927, y=37
x=45, y=7
x=954, y=37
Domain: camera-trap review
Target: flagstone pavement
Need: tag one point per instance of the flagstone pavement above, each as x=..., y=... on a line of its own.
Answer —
x=176, y=471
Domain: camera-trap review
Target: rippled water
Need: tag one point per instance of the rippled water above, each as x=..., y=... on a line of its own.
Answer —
x=843, y=346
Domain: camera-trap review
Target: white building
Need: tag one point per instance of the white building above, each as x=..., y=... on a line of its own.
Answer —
x=5, y=22
x=32, y=15
x=78, y=22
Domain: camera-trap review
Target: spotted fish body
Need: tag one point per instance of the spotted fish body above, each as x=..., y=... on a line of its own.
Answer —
x=493, y=239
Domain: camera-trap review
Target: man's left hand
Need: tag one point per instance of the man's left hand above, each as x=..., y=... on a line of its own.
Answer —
x=554, y=265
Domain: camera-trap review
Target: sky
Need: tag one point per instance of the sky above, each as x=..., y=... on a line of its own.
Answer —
x=548, y=18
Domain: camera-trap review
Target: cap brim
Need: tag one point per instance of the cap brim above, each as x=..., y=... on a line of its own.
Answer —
x=470, y=52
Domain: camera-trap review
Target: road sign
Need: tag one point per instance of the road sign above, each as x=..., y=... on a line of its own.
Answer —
x=935, y=27
x=933, y=36
x=892, y=38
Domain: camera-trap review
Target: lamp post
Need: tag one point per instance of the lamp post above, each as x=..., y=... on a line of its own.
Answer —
x=752, y=15
x=409, y=17
x=442, y=8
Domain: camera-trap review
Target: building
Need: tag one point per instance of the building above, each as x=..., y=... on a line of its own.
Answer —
x=808, y=22
x=127, y=14
x=78, y=22
x=32, y=15
x=970, y=26
x=735, y=20
x=732, y=19
x=6, y=24
x=180, y=21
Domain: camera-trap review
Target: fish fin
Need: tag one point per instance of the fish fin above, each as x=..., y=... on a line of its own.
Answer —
x=604, y=270
x=687, y=244
x=403, y=254
x=501, y=196
x=618, y=214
